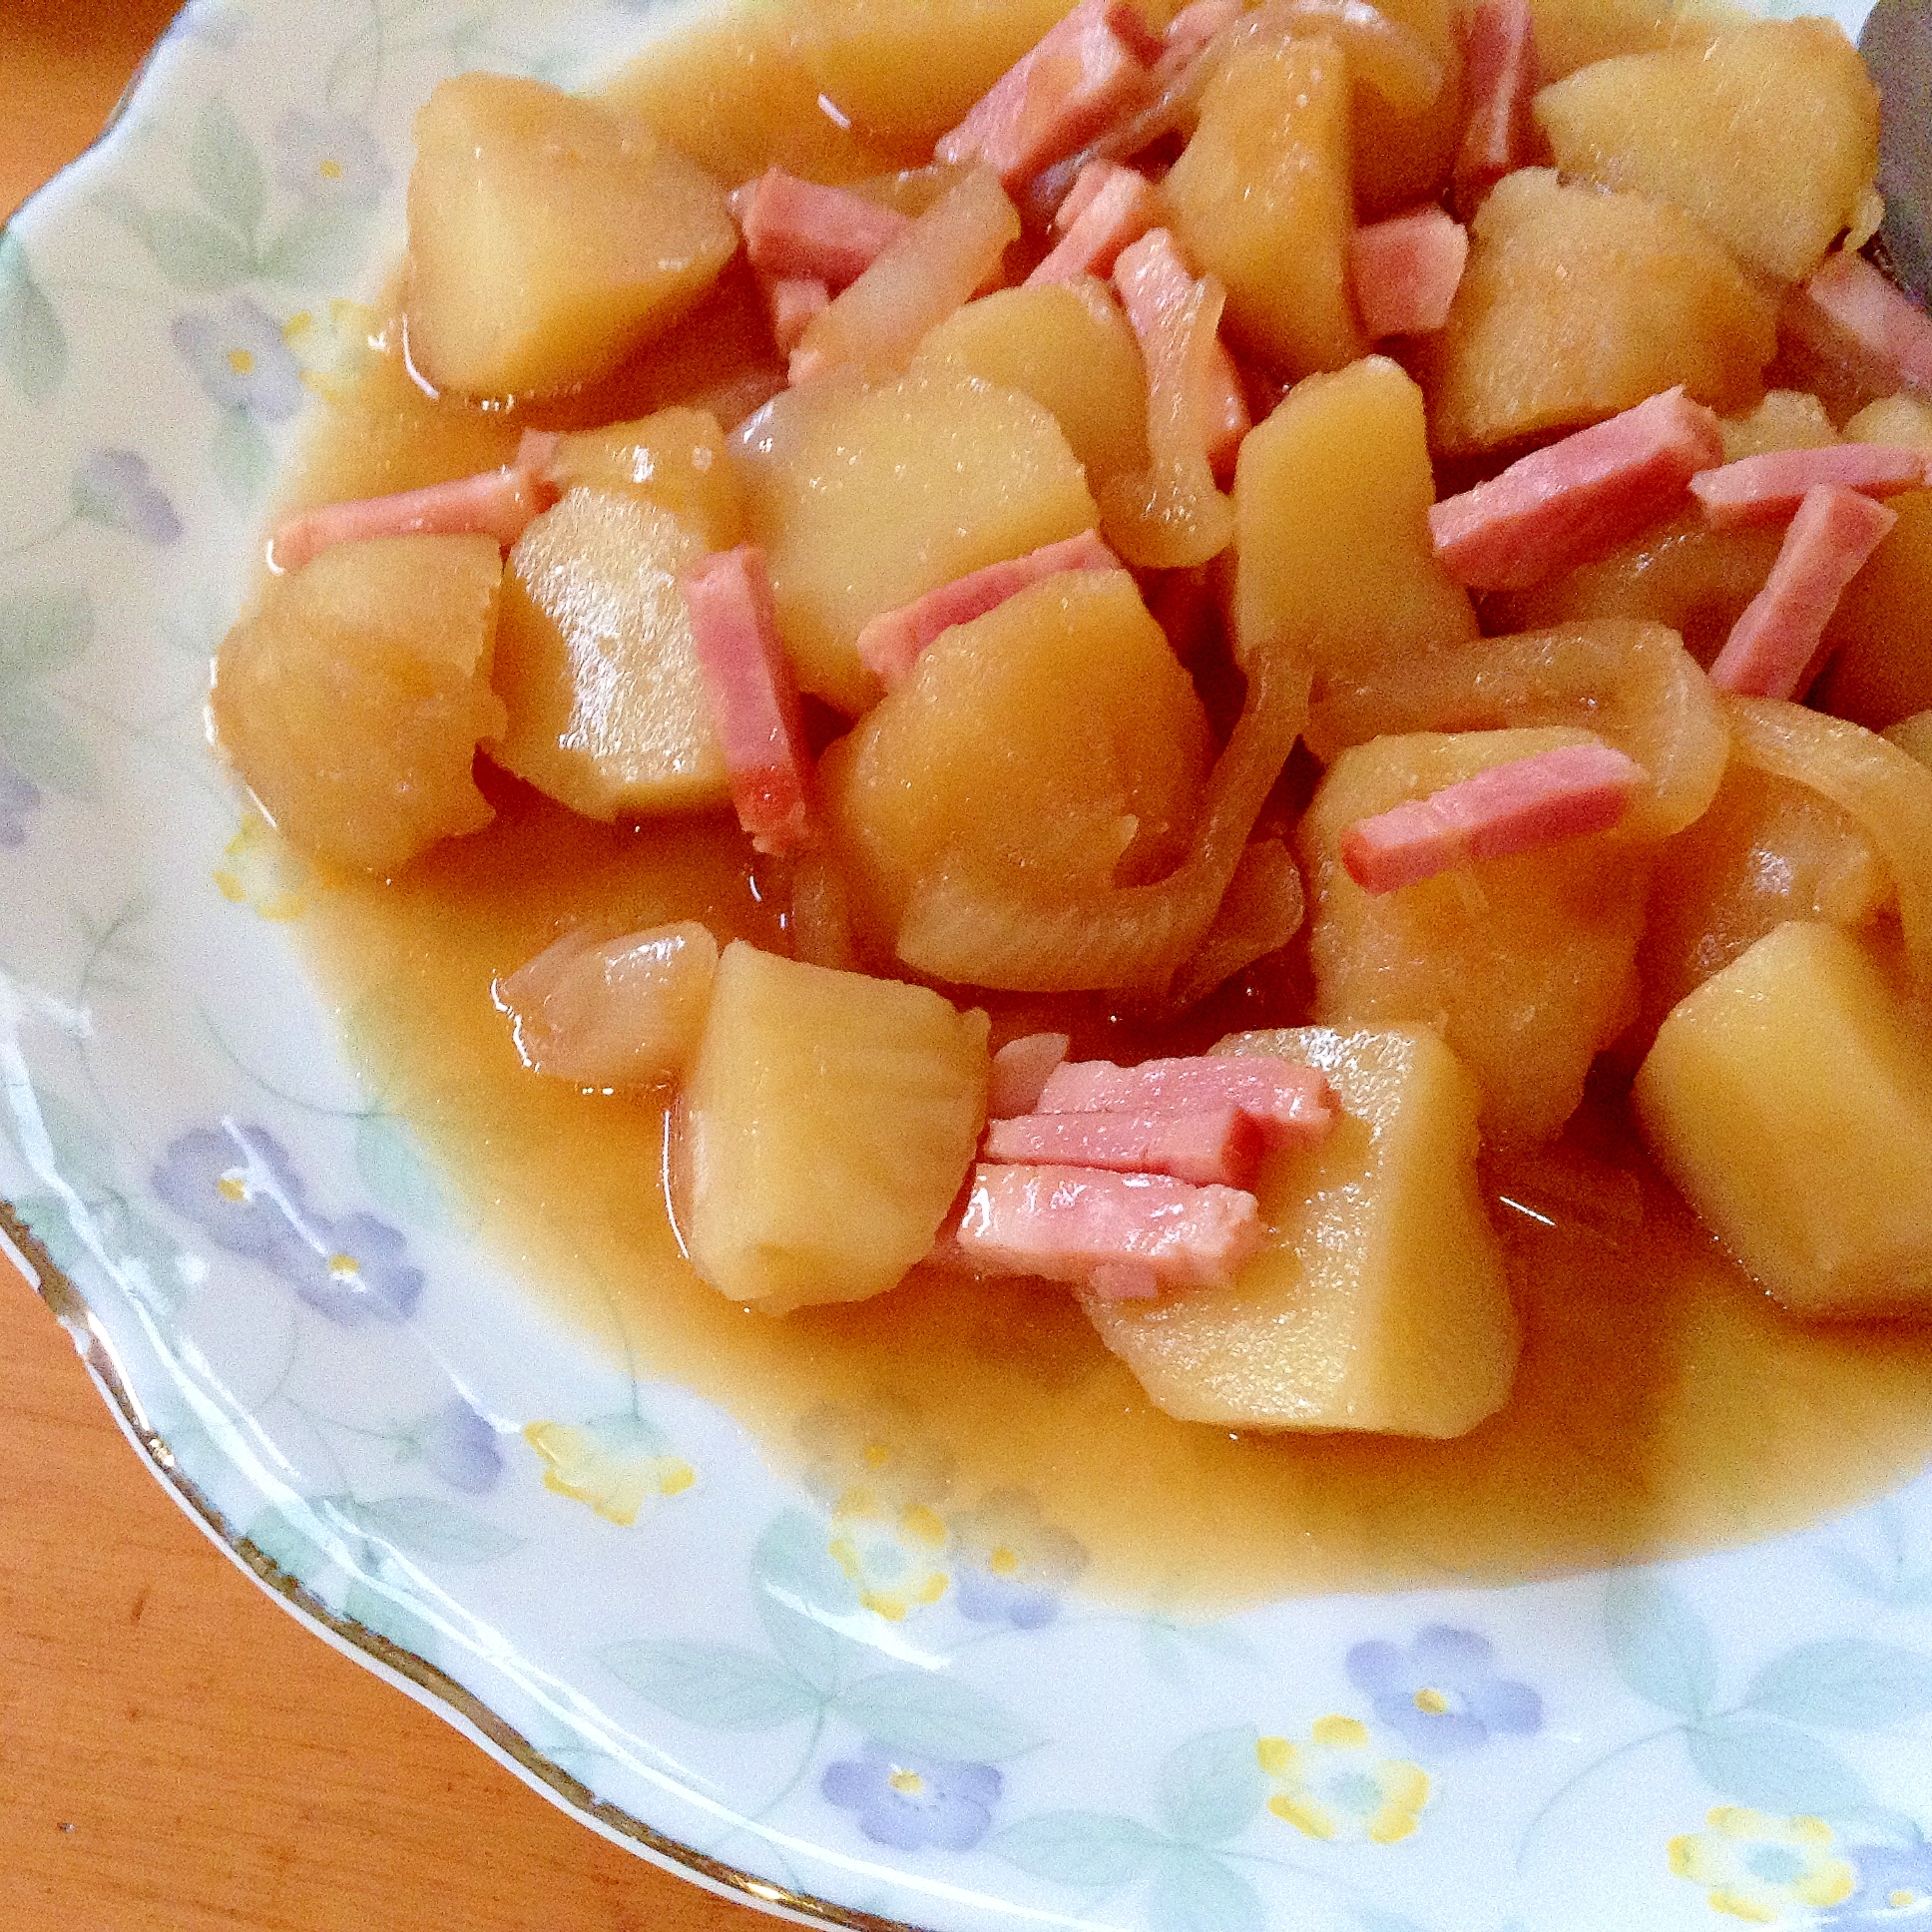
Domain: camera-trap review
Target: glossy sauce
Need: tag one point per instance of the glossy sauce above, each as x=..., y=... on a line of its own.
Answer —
x=1663, y=1404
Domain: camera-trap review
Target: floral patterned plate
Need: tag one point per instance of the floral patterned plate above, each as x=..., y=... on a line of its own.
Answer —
x=597, y=1576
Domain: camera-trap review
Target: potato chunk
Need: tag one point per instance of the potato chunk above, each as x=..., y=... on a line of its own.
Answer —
x=548, y=237
x=674, y=459
x=1053, y=746
x=1578, y=303
x=352, y=700
x=864, y=499
x=1401, y=154
x=1331, y=506
x=1526, y=965
x=1262, y=198
x=1769, y=136
x=595, y=660
x=1068, y=345
x=1379, y=1300
x=827, y=1124
x=1790, y=1098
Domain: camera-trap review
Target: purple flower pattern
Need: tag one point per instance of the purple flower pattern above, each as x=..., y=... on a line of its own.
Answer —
x=241, y=360
x=1441, y=1693
x=910, y=1802
x=330, y=158
x=19, y=800
x=113, y=487
x=459, y=1446
x=1894, y=1890
x=237, y=1185
x=1010, y=1566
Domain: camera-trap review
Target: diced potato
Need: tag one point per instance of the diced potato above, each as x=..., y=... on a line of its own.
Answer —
x=1632, y=684
x=1332, y=543
x=904, y=72
x=1262, y=198
x=1402, y=158
x=1379, y=1300
x=606, y=1012
x=1880, y=668
x=1790, y=1098
x=1913, y=736
x=595, y=660
x=1068, y=345
x=1785, y=419
x=674, y=459
x=352, y=700
x=1526, y=965
x=1769, y=136
x=1571, y=33
x=1768, y=850
x=738, y=96
x=829, y=1123
x=864, y=499
x=1578, y=303
x=549, y=237
x=1053, y=746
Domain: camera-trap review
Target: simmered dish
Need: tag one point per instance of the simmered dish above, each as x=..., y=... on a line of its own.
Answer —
x=1242, y=686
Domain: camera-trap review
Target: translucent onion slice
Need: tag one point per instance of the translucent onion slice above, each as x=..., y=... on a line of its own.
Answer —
x=1884, y=788
x=1632, y=683
x=1260, y=913
x=1132, y=939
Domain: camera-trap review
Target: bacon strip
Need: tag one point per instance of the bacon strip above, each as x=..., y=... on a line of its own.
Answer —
x=1219, y=1146
x=1577, y=499
x=497, y=503
x=1117, y=209
x=1848, y=310
x=1500, y=76
x=891, y=643
x=934, y=267
x=1020, y=1072
x=1129, y=1230
x=1085, y=72
x=795, y=228
x=1293, y=1103
x=792, y=302
x=1155, y=283
x=754, y=700
x=1515, y=807
x=1405, y=271
x=1772, y=648
x=1769, y=487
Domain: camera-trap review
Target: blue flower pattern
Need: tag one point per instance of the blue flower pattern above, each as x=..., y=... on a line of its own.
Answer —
x=115, y=489
x=331, y=159
x=19, y=799
x=241, y=359
x=1441, y=1692
x=912, y=1802
x=1894, y=1890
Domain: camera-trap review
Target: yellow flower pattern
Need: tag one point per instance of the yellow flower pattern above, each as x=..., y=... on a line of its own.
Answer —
x=616, y=1464
x=1760, y=1868
x=891, y=1551
x=260, y=873
x=1335, y=1787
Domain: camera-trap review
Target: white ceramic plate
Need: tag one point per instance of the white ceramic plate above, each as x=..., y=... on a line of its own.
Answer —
x=275, y=1292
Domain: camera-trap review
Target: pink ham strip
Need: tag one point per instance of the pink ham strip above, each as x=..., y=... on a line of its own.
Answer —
x=931, y=270
x=1189, y=31
x=1021, y=1069
x=1772, y=648
x=1577, y=499
x=1085, y=72
x=1122, y=209
x=797, y=227
x=1406, y=270
x=1769, y=487
x=1154, y=282
x=1515, y=807
x=891, y=643
x=792, y=301
x=1130, y=1229
x=1293, y=1103
x=1500, y=76
x=497, y=503
x=1093, y=176
x=1849, y=311
x=754, y=701
x=1219, y=1146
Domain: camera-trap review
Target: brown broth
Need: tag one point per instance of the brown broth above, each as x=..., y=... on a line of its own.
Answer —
x=1663, y=1404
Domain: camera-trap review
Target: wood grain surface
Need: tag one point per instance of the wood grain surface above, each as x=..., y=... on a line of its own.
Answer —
x=178, y=1754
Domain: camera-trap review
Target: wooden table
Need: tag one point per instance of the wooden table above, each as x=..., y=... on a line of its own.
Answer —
x=176, y=1754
